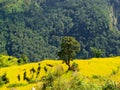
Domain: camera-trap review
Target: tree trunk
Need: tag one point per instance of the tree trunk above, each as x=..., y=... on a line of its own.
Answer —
x=68, y=65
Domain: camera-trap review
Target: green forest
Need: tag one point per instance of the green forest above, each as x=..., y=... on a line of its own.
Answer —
x=35, y=27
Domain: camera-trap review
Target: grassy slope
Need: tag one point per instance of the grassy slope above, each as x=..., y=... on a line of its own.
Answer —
x=7, y=61
x=104, y=67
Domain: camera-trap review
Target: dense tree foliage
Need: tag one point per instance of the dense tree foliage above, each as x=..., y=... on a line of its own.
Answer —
x=97, y=52
x=69, y=47
x=35, y=27
x=23, y=59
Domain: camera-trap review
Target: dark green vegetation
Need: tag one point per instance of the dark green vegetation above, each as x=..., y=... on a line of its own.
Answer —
x=35, y=27
x=23, y=59
x=3, y=79
x=96, y=52
x=69, y=47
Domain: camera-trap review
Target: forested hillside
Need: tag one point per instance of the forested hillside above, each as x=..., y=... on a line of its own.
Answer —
x=35, y=27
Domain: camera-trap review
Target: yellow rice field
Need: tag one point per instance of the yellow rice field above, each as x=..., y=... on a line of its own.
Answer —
x=104, y=67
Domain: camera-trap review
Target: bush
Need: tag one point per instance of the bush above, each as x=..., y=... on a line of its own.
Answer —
x=74, y=67
x=58, y=70
x=23, y=59
x=77, y=83
x=49, y=79
x=114, y=72
x=96, y=76
x=1, y=82
x=5, y=79
x=61, y=84
x=110, y=85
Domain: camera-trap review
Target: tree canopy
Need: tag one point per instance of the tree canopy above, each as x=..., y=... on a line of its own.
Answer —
x=69, y=47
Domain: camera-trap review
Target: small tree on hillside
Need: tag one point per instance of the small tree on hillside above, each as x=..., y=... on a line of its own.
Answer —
x=23, y=59
x=69, y=47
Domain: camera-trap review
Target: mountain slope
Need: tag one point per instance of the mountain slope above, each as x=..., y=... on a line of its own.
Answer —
x=35, y=27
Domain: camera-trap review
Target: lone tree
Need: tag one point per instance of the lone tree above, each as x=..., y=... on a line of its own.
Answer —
x=69, y=47
x=23, y=59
